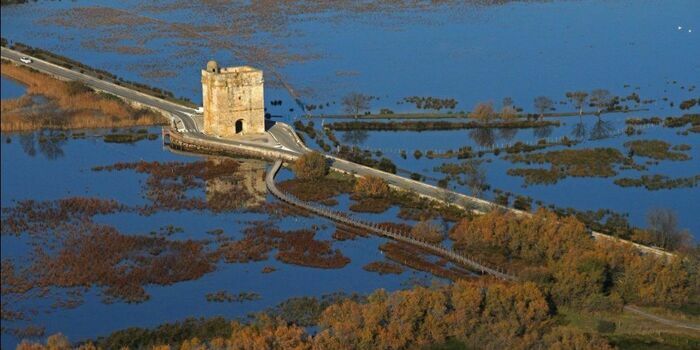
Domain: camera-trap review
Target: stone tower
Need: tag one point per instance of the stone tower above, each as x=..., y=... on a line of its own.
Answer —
x=233, y=100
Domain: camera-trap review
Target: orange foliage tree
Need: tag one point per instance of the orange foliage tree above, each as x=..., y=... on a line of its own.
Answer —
x=371, y=187
x=310, y=166
x=428, y=230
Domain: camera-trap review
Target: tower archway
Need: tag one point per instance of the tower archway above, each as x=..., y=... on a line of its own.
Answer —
x=238, y=127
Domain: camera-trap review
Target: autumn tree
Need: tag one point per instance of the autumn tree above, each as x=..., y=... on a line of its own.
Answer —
x=537, y=238
x=483, y=112
x=400, y=320
x=310, y=166
x=372, y=187
x=429, y=231
x=543, y=104
x=355, y=103
x=56, y=341
x=580, y=276
x=578, y=98
x=508, y=113
x=267, y=333
x=517, y=313
x=649, y=279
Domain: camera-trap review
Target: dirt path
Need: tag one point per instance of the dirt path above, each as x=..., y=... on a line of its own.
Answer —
x=672, y=323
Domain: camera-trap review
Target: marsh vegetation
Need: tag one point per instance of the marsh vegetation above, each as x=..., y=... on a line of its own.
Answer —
x=65, y=105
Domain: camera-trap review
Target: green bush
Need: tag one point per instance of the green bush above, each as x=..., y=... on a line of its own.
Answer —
x=604, y=326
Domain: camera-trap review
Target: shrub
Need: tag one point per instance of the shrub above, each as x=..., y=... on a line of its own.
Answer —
x=523, y=203
x=429, y=231
x=372, y=187
x=310, y=166
x=606, y=326
x=385, y=164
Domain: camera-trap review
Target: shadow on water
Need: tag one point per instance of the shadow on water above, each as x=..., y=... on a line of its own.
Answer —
x=50, y=143
x=355, y=137
x=579, y=130
x=507, y=134
x=601, y=129
x=483, y=137
x=542, y=131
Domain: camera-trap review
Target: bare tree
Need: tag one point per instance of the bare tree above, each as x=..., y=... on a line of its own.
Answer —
x=578, y=98
x=507, y=102
x=663, y=225
x=354, y=103
x=543, y=104
x=600, y=98
x=474, y=177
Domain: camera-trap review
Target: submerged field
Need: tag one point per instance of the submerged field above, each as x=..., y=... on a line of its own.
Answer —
x=230, y=249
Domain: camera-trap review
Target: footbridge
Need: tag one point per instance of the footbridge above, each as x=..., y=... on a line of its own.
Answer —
x=393, y=234
x=281, y=142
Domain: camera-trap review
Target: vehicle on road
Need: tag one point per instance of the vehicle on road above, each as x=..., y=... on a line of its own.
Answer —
x=25, y=59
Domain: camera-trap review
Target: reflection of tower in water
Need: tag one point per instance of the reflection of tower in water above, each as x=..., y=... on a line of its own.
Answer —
x=245, y=188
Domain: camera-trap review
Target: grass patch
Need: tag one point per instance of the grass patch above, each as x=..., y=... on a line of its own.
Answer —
x=655, y=149
x=659, y=341
x=319, y=190
x=659, y=182
x=223, y=296
x=383, y=268
x=371, y=205
x=589, y=162
x=124, y=138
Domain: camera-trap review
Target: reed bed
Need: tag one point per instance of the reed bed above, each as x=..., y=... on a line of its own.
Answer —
x=71, y=105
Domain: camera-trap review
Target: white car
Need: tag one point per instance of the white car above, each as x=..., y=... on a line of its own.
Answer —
x=25, y=59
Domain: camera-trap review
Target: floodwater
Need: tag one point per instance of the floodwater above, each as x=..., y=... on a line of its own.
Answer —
x=68, y=173
x=470, y=53
x=11, y=88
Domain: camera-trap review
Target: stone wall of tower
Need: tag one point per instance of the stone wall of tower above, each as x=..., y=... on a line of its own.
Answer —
x=231, y=95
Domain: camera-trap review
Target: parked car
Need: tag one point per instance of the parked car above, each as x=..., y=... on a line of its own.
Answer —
x=25, y=59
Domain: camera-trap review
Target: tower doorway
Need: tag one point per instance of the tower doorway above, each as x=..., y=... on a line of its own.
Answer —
x=239, y=126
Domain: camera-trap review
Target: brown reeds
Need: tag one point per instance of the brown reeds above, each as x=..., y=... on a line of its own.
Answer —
x=70, y=105
x=415, y=258
x=294, y=247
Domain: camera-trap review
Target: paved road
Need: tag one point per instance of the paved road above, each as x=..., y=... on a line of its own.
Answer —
x=181, y=116
x=184, y=119
x=287, y=141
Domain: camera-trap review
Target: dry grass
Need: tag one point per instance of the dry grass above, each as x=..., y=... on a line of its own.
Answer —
x=73, y=106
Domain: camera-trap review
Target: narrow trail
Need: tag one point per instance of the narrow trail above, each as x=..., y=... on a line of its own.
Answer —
x=395, y=235
x=659, y=319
